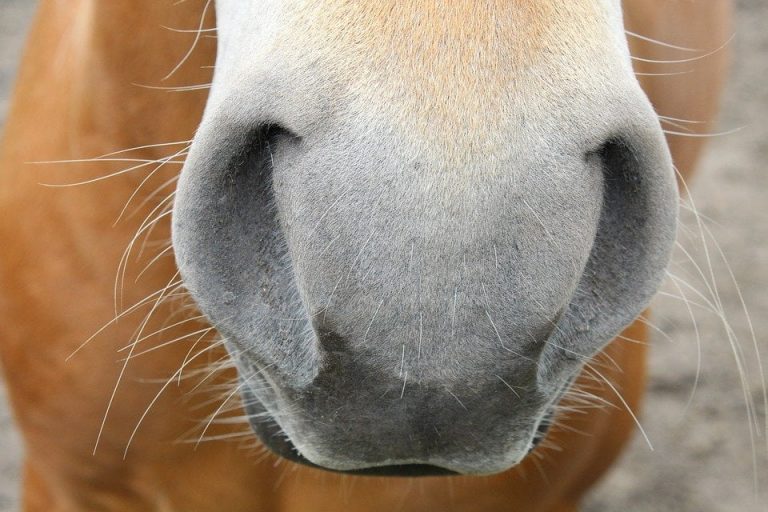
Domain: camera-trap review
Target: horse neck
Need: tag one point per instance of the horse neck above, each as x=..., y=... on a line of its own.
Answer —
x=131, y=49
x=90, y=68
x=77, y=97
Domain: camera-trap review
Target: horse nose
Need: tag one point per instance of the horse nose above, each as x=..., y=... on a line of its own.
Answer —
x=389, y=293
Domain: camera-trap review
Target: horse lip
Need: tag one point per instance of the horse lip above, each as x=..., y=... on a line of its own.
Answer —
x=274, y=438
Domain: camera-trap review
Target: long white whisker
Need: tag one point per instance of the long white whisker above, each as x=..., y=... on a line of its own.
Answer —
x=125, y=365
x=625, y=404
x=660, y=43
x=690, y=59
x=194, y=43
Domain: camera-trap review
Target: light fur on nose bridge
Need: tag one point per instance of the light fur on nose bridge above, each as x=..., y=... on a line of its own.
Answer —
x=450, y=74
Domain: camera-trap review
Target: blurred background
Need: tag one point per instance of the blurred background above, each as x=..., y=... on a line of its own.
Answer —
x=702, y=458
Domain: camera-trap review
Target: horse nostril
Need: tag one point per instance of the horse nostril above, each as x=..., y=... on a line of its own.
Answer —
x=632, y=244
x=620, y=164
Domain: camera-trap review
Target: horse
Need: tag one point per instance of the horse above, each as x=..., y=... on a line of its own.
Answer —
x=404, y=265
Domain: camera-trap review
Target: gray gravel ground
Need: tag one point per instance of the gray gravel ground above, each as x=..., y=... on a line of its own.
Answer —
x=701, y=460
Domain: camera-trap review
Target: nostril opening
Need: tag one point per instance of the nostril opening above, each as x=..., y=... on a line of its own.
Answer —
x=266, y=141
x=271, y=134
x=620, y=165
x=251, y=165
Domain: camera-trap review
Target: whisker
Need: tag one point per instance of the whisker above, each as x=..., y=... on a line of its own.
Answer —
x=176, y=88
x=690, y=59
x=660, y=43
x=125, y=364
x=182, y=322
x=229, y=397
x=194, y=43
x=625, y=404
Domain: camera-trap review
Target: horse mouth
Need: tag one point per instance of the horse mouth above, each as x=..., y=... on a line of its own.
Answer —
x=279, y=443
